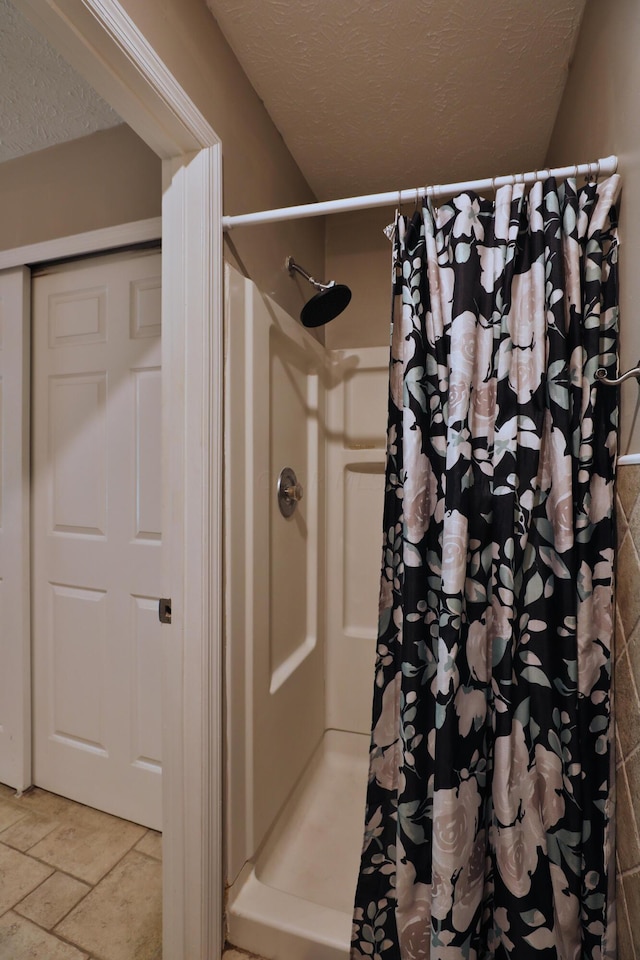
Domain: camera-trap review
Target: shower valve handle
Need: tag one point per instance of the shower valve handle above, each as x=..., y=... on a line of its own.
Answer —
x=294, y=492
x=290, y=492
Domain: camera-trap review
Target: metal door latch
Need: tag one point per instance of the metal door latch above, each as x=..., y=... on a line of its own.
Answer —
x=164, y=610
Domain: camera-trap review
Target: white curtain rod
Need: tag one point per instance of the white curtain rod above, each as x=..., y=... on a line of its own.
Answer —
x=604, y=168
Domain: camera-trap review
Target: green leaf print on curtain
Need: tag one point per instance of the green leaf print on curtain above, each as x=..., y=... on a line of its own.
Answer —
x=489, y=813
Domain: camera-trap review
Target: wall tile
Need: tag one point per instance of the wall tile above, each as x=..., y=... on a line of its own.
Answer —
x=627, y=578
x=627, y=710
x=633, y=652
x=627, y=838
x=619, y=639
x=622, y=524
x=632, y=895
x=625, y=943
x=627, y=706
x=632, y=767
x=634, y=523
x=628, y=487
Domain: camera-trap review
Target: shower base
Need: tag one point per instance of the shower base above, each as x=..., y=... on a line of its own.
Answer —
x=295, y=902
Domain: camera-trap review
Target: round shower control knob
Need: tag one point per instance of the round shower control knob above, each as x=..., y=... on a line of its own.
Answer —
x=289, y=491
x=295, y=492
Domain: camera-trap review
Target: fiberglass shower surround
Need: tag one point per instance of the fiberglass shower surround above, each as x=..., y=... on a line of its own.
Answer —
x=466, y=867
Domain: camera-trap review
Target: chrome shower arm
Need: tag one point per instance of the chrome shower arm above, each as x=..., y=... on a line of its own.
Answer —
x=291, y=265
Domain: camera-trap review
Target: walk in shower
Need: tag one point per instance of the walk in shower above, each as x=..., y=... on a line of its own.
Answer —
x=302, y=596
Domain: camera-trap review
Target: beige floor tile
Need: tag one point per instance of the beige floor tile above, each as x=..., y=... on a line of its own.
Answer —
x=151, y=844
x=9, y=813
x=52, y=900
x=49, y=805
x=121, y=918
x=89, y=844
x=19, y=875
x=27, y=831
x=22, y=940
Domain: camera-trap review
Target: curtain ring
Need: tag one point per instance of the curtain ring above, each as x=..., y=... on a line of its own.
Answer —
x=597, y=170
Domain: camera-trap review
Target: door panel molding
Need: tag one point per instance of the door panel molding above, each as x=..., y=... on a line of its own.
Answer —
x=96, y=656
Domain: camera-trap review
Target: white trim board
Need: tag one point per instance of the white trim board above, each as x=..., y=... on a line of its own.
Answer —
x=93, y=241
x=15, y=447
x=101, y=41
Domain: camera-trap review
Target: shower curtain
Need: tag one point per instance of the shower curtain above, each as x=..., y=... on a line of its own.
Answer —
x=489, y=826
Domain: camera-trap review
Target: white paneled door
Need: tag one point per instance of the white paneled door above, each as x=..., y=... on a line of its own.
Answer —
x=96, y=534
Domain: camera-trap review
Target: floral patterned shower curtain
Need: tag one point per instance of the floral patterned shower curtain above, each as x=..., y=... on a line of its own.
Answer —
x=489, y=811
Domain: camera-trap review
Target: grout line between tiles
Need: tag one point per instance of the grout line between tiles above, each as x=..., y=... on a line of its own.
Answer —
x=83, y=879
x=26, y=851
x=623, y=914
x=632, y=753
x=631, y=627
x=72, y=943
x=59, y=821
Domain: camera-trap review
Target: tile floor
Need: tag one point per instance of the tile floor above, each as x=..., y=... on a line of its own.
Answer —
x=76, y=884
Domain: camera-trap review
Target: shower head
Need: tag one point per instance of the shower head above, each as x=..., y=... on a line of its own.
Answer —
x=331, y=299
x=325, y=305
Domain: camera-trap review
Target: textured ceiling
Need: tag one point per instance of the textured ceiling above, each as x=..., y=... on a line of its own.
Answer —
x=44, y=101
x=376, y=94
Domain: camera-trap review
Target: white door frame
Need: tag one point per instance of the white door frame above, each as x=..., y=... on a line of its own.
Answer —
x=101, y=41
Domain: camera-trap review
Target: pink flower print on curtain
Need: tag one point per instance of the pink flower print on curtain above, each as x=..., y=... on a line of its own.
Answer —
x=489, y=828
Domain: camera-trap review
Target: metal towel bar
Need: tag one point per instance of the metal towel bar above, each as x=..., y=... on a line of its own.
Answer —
x=601, y=375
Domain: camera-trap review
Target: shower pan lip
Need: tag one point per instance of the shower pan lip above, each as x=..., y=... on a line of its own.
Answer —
x=274, y=911
x=264, y=918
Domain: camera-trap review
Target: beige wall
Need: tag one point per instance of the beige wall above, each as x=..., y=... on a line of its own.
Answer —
x=112, y=177
x=105, y=179
x=259, y=171
x=359, y=254
x=599, y=116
